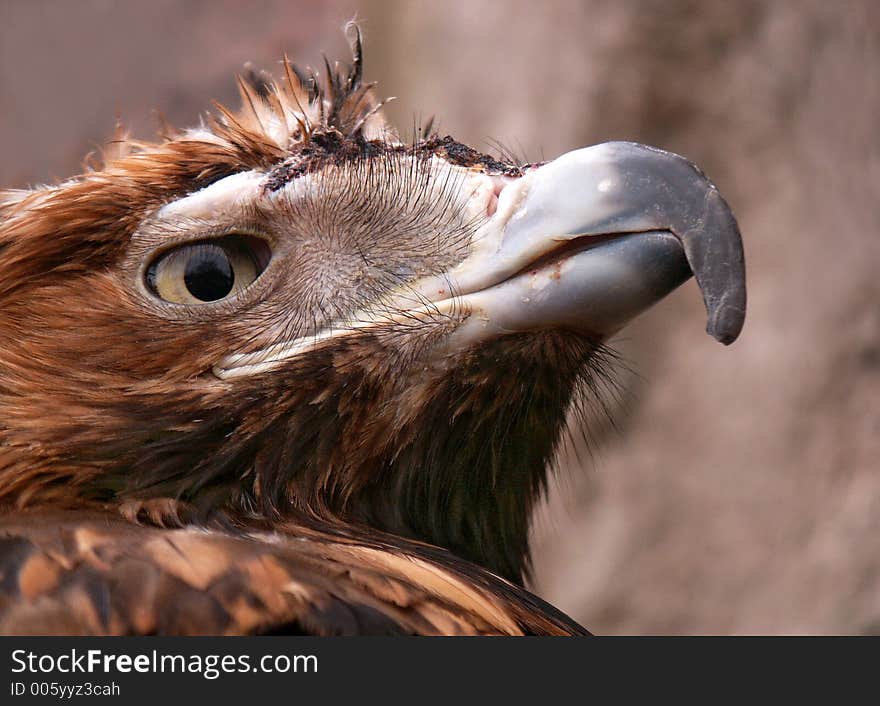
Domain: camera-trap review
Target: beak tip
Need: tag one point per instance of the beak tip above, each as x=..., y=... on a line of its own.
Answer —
x=726, y=323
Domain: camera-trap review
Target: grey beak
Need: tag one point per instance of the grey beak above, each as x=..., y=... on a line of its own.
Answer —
x=597, y=236
x=657, y=190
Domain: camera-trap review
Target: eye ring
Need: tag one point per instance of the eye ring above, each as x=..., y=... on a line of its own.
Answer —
x=208, y=271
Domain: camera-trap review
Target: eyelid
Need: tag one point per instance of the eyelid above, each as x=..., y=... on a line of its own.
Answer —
x=164, y=236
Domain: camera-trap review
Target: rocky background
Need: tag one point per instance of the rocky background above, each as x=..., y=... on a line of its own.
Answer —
x=740, y=489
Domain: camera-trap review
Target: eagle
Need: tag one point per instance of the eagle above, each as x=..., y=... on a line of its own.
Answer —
x=288, y=373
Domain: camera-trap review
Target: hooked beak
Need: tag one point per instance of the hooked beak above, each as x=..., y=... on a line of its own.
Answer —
x=594, y=238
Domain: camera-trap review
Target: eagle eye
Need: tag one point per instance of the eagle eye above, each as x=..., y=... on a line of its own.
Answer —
x=208, y=271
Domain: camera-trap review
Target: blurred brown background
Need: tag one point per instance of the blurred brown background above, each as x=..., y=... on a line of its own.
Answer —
x=741, y=492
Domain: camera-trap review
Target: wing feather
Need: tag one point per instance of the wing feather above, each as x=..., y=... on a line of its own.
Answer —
x=67, y=572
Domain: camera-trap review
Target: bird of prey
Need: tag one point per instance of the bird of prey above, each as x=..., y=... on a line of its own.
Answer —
x=286, y=373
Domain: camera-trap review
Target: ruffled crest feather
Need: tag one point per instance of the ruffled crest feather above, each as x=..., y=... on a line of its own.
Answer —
x=276, y=114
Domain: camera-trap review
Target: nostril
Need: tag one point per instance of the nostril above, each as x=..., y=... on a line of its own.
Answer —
x=498, y=184
x=492, y=206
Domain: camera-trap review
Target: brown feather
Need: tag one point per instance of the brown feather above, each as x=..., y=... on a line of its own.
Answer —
x=107, y=576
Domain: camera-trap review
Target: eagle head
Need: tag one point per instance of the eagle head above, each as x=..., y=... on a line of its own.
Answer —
x=290, y=314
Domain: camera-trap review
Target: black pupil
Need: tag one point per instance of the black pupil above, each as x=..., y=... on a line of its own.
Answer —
x=209, y=274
